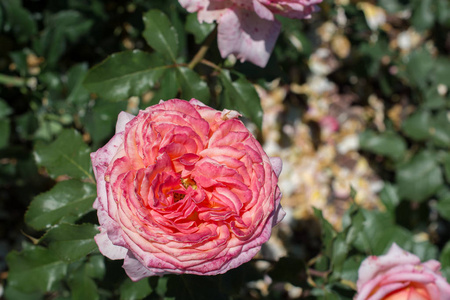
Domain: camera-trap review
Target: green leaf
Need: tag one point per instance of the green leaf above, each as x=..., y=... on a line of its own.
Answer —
x=65, y=202
x=443, y=206
x=350, y=267
x=328, y=232
x=124, y=74
x=14, y=293
x=77, y=94
x=5, y=110
x=192, y=86
x=168, y=88
x=95, y=266
x=71, y=242
x=387, y=143
x=160, y=34
x=447, y=167
x=440, y=129
x=419, y=66
x=18, y=20
x=100, y=120
x=417, y=126
x=445, y=256
x=419, y=178
x=67, y=155
x=389, y=197
x=199, y=30
x=423, y=16
x=339, y=254
x=242, y=95
x=35, y=269
x=83, y=287
x=4, y=133
x=130, y=290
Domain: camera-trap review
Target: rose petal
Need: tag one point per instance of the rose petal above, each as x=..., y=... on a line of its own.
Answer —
x=246, y=35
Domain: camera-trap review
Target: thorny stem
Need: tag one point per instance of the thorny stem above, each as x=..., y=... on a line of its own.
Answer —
x=211, y=64
x=203, y=49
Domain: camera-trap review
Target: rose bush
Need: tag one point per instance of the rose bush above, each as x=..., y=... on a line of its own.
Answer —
x=184, y=188
x=399, y=275
x=248, y=28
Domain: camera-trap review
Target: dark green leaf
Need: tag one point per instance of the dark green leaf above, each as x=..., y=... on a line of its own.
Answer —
x=77, y=94
x=168, y=88
x=440, y=129
x=388, y=143
x=423, y=16
x=67, y=155
x=447, y=167
x=5, y=110
x=443, y=206
x=95, y=266
x=389, y=197
x=18, y=20
x=13, y=293
x=35, y=269
x=242, y=95
x=160, y=34
x=192, y=86
x=66, y=202
x=4, y=133
x=124, y=74
x=328, y=232
x=83, y=287
x=433, y=100
x=199, y=30
x=419, y=67
x=71, y=242
x=100, y=120
x=339, y=254
x=417, y=126
x=445, y=256
x=130, y=290
x=419, y=178
x=350, y=267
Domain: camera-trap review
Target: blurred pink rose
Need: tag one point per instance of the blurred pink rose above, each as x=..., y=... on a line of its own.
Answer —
x=184, y=188
x=248, y=28
x=399, y=275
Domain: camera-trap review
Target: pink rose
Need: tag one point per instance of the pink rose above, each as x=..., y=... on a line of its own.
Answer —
x=248, y=28
x=399, y=275
x=184, y=188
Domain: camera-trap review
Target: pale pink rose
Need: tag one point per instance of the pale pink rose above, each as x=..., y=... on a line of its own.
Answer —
x=184, y=188
x=248, y=28
x=399, y=275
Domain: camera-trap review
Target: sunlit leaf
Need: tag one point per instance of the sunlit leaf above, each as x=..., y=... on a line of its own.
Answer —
x=67, y=155
x=71, y=242
x=242, y=95
x=160, y=34
x=124, y=74
x=192, y=86
x=35, y=269
x=199, y=30
x=66, y=201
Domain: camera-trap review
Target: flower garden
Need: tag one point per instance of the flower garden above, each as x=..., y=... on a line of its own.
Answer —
x=225, y=149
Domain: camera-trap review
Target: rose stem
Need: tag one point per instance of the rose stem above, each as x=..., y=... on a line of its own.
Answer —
x=203, y=49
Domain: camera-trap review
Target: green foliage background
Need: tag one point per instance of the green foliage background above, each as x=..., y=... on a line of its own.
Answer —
x=67, y=68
